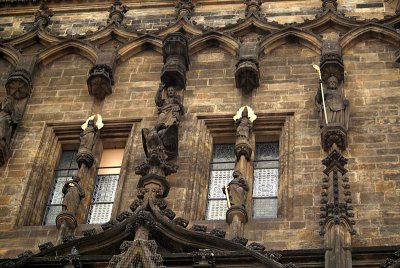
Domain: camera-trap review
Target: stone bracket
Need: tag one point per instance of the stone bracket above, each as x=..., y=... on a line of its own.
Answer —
x=176, y=60
x=247, y=74
x=101, y=75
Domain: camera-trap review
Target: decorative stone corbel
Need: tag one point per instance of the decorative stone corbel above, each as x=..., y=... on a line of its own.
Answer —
x=329, y=4
x=253, y=7
x=43, y=15
x=184, y=8
x=101, y=79
x=117, y=12
x=247, y=73
x=176, y=60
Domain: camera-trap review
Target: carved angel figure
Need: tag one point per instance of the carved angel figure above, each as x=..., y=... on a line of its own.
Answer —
x=337, y=108
x=161, y=140
x=237, y=189
x=170, y=109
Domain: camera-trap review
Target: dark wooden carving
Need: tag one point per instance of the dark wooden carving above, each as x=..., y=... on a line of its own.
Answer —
x=336, y=195
x=253, y=7
x=117, y=12
x=247, y=73
x=176, y=60
x=184, y=8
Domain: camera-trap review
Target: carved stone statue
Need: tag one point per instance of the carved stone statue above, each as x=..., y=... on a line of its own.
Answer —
x=237, y=189
x=73, y=193
x=88, y=136
x=8, y=119
x=337, y=108
x=170, y=109
x=160, y=140
x=243, y=127
x=88, y=139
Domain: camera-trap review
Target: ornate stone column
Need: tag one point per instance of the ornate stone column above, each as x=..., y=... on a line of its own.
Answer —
x=336, y=216
x=237, y=189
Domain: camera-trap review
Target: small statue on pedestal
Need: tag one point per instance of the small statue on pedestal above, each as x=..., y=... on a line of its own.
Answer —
x=237, y=189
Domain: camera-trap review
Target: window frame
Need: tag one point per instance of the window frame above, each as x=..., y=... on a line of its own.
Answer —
x=275, y=126
x=58, y=136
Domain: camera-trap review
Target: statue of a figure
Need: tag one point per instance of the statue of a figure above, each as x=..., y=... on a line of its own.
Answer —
x=160, y=140
x=337, y=108
x=88, y=136
x=73, y=193
x=170, y=109
x=237, y=189
x=8, y=119
x=244, y=126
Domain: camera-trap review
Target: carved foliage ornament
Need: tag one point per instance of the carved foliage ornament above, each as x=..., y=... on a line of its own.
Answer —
x=117, y=12
x=184, y=8
x=43, y=15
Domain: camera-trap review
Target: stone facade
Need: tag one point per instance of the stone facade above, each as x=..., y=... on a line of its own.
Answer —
x=289, y=34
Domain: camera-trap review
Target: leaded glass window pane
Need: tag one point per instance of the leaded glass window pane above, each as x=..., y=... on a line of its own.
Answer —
x=66, y=168
x=222, y=167
x=265, y=208
x=265, y=183
x=103, y=198
x=216, y=209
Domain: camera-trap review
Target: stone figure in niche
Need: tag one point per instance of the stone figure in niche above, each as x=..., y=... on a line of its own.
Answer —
x=88, y=136
x=161, y=141
x=73, y=193
x=170, y=109
x=237, y=189
x=337, y=108
x=8, y=120
x=244, y=126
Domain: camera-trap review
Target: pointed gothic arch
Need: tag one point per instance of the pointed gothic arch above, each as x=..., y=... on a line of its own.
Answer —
x=214, y=39
x=139, y=44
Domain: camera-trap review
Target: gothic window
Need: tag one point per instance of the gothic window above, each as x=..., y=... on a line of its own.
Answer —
x=66, y=168
x=221, y=169
x=265, y=181
x=105, y=187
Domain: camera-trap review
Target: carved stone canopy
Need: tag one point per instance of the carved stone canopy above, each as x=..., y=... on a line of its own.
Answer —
x=176, y=60
x=247, y=73
x=331, y=63
x=100, y=81
x=19, y=84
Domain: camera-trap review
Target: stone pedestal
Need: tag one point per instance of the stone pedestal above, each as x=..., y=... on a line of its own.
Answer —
x=236, y=217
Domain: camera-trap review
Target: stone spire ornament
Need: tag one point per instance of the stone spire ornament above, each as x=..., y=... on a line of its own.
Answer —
x=117, y=12
x=329, y=5
x=184, y=8
x=43, y=15
x=253, y=7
